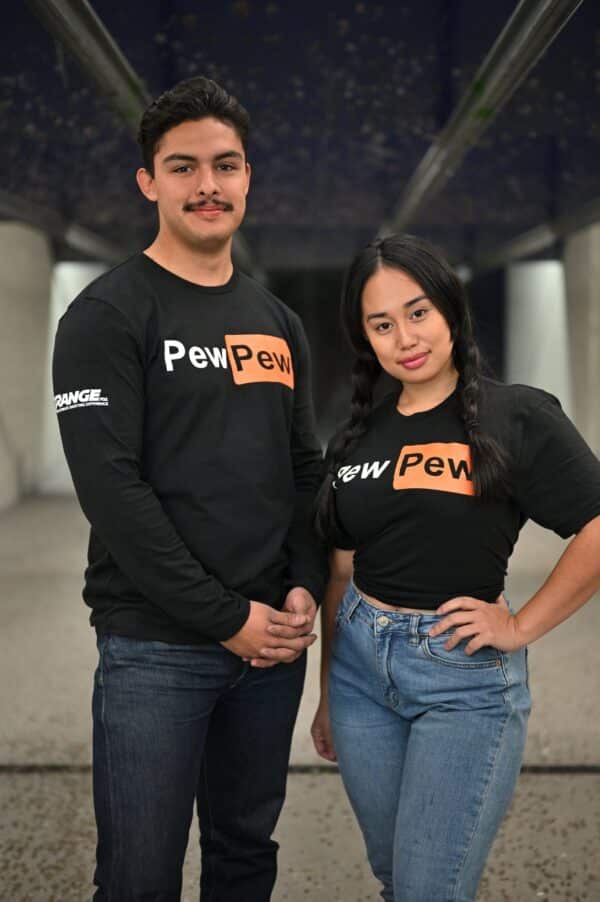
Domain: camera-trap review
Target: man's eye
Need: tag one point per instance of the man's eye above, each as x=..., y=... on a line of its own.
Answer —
x=183, y=169
x=226, y=167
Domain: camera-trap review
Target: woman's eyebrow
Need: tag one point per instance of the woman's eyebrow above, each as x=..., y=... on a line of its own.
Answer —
x=419, y=297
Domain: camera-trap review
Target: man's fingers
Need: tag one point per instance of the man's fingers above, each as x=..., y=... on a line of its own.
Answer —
x=287, y=618
x=287, y=632
x=283, y=652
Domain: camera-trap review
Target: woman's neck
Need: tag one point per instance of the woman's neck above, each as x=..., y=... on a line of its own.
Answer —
x=416, y=398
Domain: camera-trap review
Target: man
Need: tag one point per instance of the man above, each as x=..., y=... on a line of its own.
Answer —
x=183, y=396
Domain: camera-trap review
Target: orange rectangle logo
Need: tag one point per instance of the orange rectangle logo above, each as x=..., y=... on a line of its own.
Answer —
x=442, y=466
x=259, y=358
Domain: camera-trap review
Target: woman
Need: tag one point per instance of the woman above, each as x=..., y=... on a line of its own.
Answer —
x=424, y=685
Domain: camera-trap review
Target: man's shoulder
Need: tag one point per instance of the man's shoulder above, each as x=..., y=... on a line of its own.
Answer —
x=251, y=286
x=123, y=288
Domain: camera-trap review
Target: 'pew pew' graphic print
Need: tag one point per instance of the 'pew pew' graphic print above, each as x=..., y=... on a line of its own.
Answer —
x=442, y=466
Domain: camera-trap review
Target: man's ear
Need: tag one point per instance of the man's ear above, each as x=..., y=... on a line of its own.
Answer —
x=146, y=185
x=248, y=175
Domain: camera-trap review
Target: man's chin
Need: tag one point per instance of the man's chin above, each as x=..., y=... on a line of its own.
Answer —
x=211, y=242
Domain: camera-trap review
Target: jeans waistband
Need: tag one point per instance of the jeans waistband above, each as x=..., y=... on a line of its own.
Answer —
x=413, y=624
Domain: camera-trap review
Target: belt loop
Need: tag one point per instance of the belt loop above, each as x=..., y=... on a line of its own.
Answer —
x=352, y=603
x=413, y=629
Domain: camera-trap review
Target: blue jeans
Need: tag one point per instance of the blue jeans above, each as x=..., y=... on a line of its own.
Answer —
x=429, y=745
x=173, y=724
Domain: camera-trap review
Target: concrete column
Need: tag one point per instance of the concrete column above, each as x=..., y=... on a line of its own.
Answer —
x=25, y=272
x=537, y=340
x=582, y=273
x=68, y=279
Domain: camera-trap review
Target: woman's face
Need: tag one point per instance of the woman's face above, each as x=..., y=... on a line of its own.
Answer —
x=408, y=334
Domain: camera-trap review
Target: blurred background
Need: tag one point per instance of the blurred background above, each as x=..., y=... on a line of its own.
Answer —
x=476, y=125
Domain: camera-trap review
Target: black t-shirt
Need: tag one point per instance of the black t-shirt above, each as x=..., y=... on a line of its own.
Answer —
x=187, y=422
x=405, y=502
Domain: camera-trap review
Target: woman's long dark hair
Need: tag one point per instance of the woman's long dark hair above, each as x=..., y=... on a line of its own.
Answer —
x=423, y=263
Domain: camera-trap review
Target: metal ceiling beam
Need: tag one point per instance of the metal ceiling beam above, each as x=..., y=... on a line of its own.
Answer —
x=528, y=33
x=538, y=239
x=74, y=236
x=77, y=27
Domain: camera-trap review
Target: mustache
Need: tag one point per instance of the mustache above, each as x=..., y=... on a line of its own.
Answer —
x=225, y=205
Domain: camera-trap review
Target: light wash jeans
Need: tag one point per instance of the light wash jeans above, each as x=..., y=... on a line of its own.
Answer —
x=429, y=745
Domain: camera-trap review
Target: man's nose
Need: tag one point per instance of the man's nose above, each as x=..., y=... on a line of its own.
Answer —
x=207, y=182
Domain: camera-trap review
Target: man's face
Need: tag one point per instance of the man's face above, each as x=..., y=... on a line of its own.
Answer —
x=200, y=183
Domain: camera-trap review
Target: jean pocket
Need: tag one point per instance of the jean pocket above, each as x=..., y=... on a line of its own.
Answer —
x=484, y=658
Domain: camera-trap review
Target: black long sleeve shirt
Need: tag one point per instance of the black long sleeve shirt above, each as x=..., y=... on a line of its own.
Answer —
x=187, y=422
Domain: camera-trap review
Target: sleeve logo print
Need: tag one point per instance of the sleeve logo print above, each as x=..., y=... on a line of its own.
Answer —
x=81, y=397
x=442, y=466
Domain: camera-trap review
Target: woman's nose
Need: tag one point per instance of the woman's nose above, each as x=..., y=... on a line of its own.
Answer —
x=405, y=337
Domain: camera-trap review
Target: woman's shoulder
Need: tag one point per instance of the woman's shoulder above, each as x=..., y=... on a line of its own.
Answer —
x=514, y=398
x=380, y=412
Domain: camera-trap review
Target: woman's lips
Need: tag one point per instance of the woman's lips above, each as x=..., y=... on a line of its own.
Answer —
x=413, y=363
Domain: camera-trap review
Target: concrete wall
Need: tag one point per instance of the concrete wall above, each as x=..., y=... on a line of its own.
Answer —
x=537, y=329
x=582, y=272
x=25, y=273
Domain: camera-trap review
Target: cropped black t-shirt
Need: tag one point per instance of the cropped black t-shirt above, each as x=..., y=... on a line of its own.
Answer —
x=405, y=501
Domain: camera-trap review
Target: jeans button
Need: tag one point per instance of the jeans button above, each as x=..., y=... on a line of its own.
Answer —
x=383, y=621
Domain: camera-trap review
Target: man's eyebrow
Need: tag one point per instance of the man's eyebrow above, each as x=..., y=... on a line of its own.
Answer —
x=190, y=158
x=185, y=157
x=229, y=153
x=383, y=314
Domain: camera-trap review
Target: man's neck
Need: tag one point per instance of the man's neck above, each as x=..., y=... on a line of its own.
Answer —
x=209, y=268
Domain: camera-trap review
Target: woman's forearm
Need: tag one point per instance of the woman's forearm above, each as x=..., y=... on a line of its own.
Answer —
x=336, y=587
x=572, y=582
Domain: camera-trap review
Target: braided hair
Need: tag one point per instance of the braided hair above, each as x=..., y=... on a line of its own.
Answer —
x=423, y=263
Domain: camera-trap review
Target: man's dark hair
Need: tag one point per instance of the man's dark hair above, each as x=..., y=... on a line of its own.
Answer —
x=195, y=98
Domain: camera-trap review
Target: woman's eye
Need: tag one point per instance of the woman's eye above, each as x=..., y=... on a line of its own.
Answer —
x=419, y=313
x=383, y=327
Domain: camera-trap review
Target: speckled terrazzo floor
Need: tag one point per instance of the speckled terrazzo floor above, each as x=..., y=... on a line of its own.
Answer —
x=549, y=846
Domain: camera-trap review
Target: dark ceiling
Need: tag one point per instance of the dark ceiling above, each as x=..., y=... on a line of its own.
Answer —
x=345, y=98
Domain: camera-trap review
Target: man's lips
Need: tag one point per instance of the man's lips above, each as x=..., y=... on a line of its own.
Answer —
x=207, y=211
x=208, y=208
x=412, y=363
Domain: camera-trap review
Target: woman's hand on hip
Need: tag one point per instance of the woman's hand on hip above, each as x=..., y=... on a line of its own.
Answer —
x=321, y=732
x=482, y=622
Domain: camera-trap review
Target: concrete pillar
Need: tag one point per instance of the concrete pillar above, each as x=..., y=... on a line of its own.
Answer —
x=25, y=272
x=68, y=280
x=582, y=273
x=537, y=341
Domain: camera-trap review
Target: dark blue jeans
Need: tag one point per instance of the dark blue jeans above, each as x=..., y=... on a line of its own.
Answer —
x=176, y=723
